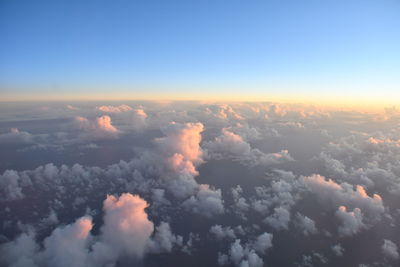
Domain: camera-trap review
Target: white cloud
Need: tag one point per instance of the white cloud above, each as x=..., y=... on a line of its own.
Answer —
x=390, y=250
x=306, y=224
x=100, y=128
x=345, y=194
x=231, y=145
x=351, y=221
x=207, y=201
x=279, y=220
x=164, y=240
x=67, y=246
x=16, y=136
x=10, y=185
x=126, y=230
x=114, y=109
x=221, y=232
x=263, y=243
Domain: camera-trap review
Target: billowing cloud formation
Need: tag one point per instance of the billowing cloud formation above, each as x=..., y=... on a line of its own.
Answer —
x=207, y=201
x=345, y=194
x=125, y=234
x=139, y=119
x=247, y=254
x=182, y=153
x=232, y=145
x=100, y=128
x=351, y=221
x=183, y=139
x=126, y=230
x=66, y=246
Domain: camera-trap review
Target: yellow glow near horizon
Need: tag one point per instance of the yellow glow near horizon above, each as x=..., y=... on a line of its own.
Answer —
x=327, y=100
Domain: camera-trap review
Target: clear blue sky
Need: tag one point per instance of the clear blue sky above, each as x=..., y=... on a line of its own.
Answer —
x=183, y=47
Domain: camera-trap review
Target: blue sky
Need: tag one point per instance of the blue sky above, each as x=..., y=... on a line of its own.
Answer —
x=175, y=48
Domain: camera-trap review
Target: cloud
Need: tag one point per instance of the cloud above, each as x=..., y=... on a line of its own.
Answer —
x=16, y=136
x=10, y=185
x=21, y=252
x=357, y=185
x=126, y=229
x=221, y=232
x=241, y=256
x=306, y=225
x=182, y=139
x=181, y=153
x=99, y=128
x=345, y=194
x=139, y=119
x=114, y=109
x=67, y=246
x=279, y=220
x=164, y=240
x=351, y=221
x=338, y=250
x=390, y=250
x=125, y=234
x=263, y=243
x=207, y=201
x=231, y=145
x=241, y=205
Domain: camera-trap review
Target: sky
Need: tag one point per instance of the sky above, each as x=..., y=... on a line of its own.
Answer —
x=229, y=50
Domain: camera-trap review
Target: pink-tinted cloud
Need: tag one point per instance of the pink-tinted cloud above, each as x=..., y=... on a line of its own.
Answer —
x=114, y=109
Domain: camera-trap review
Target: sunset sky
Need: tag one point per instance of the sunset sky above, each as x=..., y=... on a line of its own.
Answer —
x=218, y=133
x=221, y=50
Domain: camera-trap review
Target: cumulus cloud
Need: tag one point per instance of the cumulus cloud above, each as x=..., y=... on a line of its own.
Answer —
x=21, y=252
x=183, y=139
x=244, y=255
x=338, y=250
x=10, y=185
x=114, y=109
x=126, y=230
x=67, y=246
x=16, y=136
x=221, y=232
x=390, y=250
x=126, y=233
x=351, y=221
x=231, y=145
x=207, y=201
x=345, y=194
x=279, y=220
x=181, y=152
x=99, y=128
x=139, y=119
x=164, y=240
x=306, y=224
x=263, y=243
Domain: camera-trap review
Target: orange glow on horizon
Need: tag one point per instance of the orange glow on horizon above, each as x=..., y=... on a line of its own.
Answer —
x=329, y=101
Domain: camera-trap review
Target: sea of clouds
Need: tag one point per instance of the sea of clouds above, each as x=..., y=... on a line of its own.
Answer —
x=199, y=184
